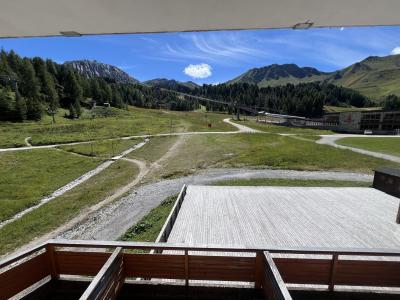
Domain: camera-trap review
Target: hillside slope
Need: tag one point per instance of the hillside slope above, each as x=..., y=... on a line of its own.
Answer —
x=172, y=84
x=93, y=68
x=275, y=75
x=375, y=77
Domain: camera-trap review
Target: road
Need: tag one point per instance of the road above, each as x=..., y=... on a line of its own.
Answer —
x=331, y=141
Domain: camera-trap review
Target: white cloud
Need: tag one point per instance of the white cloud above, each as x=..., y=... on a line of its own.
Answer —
x=198, y=71
x=395, y=51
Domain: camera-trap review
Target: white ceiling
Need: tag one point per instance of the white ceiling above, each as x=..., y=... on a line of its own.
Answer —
x=24, y=18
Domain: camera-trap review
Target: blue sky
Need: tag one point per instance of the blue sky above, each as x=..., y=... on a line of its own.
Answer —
x=214, y=57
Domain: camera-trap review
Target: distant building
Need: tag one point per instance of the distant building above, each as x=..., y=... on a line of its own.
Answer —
x=377, y=122
x=373, y=122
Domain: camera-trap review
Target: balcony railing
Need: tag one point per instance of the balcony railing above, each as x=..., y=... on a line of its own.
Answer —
x=111, y=263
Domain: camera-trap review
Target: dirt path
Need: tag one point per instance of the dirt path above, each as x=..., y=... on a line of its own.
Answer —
x=240, y=129
x=26, y=140
x=74, y=183
x=331, y=141
x=80, y=222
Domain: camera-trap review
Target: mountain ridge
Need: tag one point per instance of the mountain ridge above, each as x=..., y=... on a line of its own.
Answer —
x=93, y=68
x=172, y=84
x=375, y=76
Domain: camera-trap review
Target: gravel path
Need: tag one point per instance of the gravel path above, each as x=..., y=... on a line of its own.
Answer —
x=62, y=190
x=112, y=221
x=331, y=141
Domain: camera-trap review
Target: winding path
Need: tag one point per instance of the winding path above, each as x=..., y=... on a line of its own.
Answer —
x=240, y=129
x=75, y=183
x=109, y=219
x=331, y=141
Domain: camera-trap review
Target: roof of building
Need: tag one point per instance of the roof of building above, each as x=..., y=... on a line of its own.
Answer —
x=287, y=217
x=73, y=17
x=389, y=171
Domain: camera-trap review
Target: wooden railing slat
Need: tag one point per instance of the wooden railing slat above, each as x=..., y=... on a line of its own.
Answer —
x=103, y=283
x=273, y=284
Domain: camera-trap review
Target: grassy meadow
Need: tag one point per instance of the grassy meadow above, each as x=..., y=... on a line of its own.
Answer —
x=103, y=149
x=28, y=176
x=148, y=228
x=67, y=206
x=389, y=145
x=270, y=128
x=264, y=151
x=154, y=149
x=118, y=123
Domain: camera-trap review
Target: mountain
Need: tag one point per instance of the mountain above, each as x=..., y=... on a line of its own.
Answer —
x=275, y=75
x=375, y=77
x=93, y=68
x=171, y=84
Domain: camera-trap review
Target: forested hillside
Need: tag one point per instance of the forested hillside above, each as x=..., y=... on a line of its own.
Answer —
x=170, y=84
x=305, y=99
x=31, y=87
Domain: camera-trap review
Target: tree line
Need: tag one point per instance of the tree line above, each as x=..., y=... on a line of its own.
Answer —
x=391, y=102
x=305, y=99
x=29, y=88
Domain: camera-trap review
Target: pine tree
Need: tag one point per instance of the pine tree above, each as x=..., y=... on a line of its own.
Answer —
x=73, y=92
x=72, y=111
x=20, y=108
x=6, y=107
x=29, y=86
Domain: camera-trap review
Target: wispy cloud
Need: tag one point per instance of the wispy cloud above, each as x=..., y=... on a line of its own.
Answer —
x=198, y=71
x=223, y=48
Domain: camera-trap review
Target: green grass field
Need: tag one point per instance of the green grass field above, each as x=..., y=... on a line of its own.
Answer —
x=154, y=149
x=65, y=207
x=388, y=145
x=135, y=121
x=283, y=129
x=148, y=228
x=264, y=150
x=28, y=176
x=291, y=182
x=104, y=149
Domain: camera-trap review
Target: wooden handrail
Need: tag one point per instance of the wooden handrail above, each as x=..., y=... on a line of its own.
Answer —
x=219, y=248
x=20, y=255
x=273, y=285
x=169, y=223
x=108, y=281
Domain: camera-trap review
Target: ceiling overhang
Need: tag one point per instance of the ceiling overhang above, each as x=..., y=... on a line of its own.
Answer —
x=29, y=18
